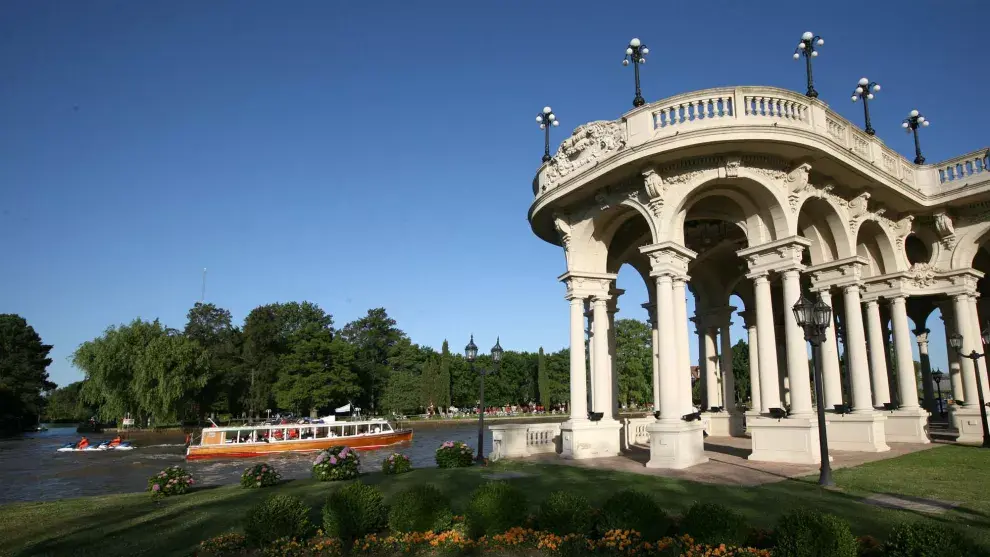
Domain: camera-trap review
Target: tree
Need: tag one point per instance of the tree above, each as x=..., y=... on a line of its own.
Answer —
x=318, y=371
x=373, y=337
x=633, y=361
x=559, y=376
x=445, y=376
x=430, y=383
x=402, y=393
x=740, y=370
x=23, y=373
x=65, y=405
x=212, y=328
x=170, y=372
x=542, y=380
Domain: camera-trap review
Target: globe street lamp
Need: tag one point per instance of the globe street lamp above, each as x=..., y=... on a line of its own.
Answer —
x=865, y=89
x=814, y=318
x=471, y=354
x=807, y=48
x=636, y=53
x=937, y=376
x=545, y=119
x=956, y=341
x=910, y=124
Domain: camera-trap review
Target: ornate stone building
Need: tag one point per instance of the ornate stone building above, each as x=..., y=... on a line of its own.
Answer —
x=766, y=194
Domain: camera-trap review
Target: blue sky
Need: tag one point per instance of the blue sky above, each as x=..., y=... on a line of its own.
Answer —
x=380, y=154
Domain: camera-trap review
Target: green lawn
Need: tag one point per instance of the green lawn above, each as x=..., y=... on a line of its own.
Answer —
x=134, y=525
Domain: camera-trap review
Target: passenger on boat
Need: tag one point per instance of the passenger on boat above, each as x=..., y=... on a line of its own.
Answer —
x=293, y=434
x=115, y=441
x=83, y=443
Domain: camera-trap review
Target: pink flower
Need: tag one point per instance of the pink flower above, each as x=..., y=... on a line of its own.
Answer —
x=333, y=460
x=156, y=487
x=189, y=481
x=263, y=469
x=258, y=478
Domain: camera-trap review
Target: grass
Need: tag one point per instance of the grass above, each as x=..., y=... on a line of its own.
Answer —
x=133, y=524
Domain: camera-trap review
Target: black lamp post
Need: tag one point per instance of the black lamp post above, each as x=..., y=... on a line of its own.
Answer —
x=814, y=318
x=471, y=354
x=865, y=89
x=937, y=376
x=956, y=341
x=910, y=124
x=636, y=53
x=807, y=48
x=545, y=119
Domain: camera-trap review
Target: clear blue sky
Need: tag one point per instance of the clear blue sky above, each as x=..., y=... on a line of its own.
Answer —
x=380, y=154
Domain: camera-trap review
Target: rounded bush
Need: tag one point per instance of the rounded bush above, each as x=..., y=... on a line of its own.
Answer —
x=924, y=539
x=396, y=463
x=564, y=512
x=336, y=463
x=170, y=481
x=634, y=510
x=354, y=511
x=224, y=545
x=454, y=454
x=494, y=508
x=714, y=524
x=278, y=516
x=422, y=508
x=806, y=533
x=260, y=475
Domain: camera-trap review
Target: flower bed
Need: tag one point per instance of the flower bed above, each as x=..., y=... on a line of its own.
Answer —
x=170, y=481
x=396, y=463
x=454, y=454
x=335, y=464
x=260, y=475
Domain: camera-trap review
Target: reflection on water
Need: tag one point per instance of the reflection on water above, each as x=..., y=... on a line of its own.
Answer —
x=31, y=470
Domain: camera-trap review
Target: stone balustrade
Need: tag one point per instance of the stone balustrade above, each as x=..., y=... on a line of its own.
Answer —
x=769, y=113
x=522, y=440
x=636, y=432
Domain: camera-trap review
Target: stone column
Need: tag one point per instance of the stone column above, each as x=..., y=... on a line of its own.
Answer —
x=754, y=359
x=797, y=348
x=579, y=373
x=856, y=360
x=710, y=383
x=654, y=341
x=702, y=333
x=974, y=317
x=878, y=362
x=728, y=381
x=603, y=374
x=769, y=380
x=669, y=406
x=928, y=389
x=613, y=308
x=954, y=371
x=961, y=309
x=592, y=388
x=683, y=348
x=888, y=354
x=907, y=385
x=830, y=360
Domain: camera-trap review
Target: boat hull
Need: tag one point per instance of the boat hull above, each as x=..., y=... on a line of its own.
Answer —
x=248, y=450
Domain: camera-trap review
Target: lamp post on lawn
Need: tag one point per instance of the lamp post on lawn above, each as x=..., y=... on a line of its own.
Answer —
x=956, y=340
x=910, y=124
x=546, y=119
x=937, y=376
x=636, y=53
x=865, y=89
x=807, y=48
x=814, y=318
x=471, y=354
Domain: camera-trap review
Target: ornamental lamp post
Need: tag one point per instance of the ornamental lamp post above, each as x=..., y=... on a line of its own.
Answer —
x=956, y=341
x=806, y=48
x=546, y=118
x=865, y=89
x=636, y=53
x=910, y=124
x=471, y=354
x=937, y=376
x=814, y=318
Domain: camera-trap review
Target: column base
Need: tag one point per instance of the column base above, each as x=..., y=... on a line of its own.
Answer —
x=907, y=426
x=953, y=420
x=676, y=444
x=586, y=439
x=724, y=424
x=857, y=432
x=969, y=425
x=790, y=440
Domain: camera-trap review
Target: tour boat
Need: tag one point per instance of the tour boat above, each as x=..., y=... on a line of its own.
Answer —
x=248, y=441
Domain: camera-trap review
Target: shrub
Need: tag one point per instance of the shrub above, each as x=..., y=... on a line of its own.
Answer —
x=494, y=508
x=260, y=475
x=336, y=463
x=565, y=513
x=454, y=454
x=170, y=481
x=229, y=544
x=924, y=539
x=396, y=463
x=807, y=533
x=634, y=510
x=278, y=516
x=713, y=524
x=421, y=508
x=354, y=511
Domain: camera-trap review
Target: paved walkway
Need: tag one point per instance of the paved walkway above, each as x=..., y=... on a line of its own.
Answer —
x=727, y=463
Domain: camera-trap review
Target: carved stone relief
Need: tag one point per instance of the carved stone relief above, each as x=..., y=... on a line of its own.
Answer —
x=588, y=145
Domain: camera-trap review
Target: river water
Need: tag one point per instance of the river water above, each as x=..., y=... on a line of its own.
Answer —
x=31, y=469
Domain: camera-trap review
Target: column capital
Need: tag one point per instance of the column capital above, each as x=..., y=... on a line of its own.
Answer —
x=668, y=259
x=777, y=256
x=921, y=336
x=838, y=273
x=587, y=284
x=749, y=318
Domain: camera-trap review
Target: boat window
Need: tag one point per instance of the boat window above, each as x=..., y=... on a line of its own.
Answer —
x=362, y=429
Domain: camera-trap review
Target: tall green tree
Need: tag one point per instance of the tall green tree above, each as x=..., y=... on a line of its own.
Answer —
x=542, y=380
x=402, y=393
x=23, y=373
x=318, y=371
x=212, y=328
x=169, y=373
x=374, y=337
x=65, y=405
x=740, y=370
x=633, y=353
x=445, y=376
x=430, y=383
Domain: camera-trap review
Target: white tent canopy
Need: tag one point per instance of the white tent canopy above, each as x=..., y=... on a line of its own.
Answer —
x=347, y=408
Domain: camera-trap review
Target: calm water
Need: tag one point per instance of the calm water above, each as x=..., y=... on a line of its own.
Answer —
x=31, y=470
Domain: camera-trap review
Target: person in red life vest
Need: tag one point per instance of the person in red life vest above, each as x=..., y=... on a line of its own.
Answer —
x=83, y=443
x=115, y=441
x=293, y=434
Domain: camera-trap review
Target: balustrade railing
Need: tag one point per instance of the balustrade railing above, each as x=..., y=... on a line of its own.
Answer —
x=961, y=168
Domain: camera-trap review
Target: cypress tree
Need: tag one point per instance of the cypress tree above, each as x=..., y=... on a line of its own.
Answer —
x=444, y=381
x=543, y=383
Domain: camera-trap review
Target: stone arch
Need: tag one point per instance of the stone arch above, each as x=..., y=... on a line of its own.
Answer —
x=820, y=220
x=873, y=243
x=589, y=249
x=969, y=245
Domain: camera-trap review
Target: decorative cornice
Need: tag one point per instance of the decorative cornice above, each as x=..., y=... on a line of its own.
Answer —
x=838, y=273
x=668, y=259
x=777, y=256
x=587, y=285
